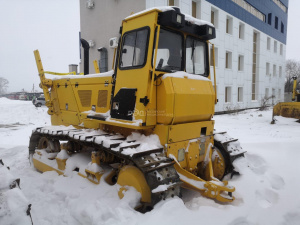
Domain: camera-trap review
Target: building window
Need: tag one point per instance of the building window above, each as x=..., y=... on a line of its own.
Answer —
x=275, y=46
x=214, y=17
x=194, y=9
x=276, y=22
x=274, y=71
x=270, y=18
x=211, y=56
x=268, y=43
x=227, y=94
x=282, y=27
x=254, y=66
x=229, y=25
x=282, y=6
x=244, y=4
x=267, y=69
x=241, y=31
x=267, y=93
x=241, y=63
x=273, y=95
x=240, y=94
x=171, y=2
x=228, y=60
x=281, y=49
x=279, y=94
x=280, y=71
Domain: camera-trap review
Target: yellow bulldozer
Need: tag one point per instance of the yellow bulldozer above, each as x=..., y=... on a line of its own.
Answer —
x=288, y=109
x=148, y=123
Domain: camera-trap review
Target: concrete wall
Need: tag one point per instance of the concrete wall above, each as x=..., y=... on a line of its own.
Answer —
x=102, y=23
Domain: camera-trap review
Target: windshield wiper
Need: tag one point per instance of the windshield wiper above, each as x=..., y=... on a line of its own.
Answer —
x=192, y=56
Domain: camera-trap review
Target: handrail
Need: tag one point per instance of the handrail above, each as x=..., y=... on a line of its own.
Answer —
x=154, y=63
x=215, y=78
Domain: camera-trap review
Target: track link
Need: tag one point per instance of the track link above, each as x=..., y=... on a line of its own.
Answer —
x=159, y=171
x=231, y=148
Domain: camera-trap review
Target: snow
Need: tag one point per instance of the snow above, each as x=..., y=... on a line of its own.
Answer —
x=188, y=18
x=59, y=77
x=181, y=74
x=266, y=191
x=63, y=154
x=161, y=8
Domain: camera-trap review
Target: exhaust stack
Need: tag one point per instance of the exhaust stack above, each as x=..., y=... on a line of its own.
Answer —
x=86, y=48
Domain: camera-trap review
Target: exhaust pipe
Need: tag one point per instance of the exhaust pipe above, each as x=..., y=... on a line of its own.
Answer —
x=86, y=48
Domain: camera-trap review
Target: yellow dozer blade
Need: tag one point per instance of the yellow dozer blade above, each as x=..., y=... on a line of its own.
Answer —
x=287, y=109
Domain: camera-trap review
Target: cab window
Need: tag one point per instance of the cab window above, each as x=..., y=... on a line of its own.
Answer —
x=169, y=51
x=134, y=49
x=195, y=56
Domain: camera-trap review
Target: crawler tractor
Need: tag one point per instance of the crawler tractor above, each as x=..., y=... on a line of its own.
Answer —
x=288, y=109
x=147, y=123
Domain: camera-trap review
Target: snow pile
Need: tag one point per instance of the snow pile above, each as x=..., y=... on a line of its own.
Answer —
x=16, y=112
x=13, y=203
x=266, y=190
x=59, y=77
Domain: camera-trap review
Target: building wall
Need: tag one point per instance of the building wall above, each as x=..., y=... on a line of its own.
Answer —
x=230, y=81
x=232, y=77
x=102, y=23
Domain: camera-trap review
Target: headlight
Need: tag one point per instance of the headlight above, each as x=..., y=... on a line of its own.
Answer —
x=178, y=18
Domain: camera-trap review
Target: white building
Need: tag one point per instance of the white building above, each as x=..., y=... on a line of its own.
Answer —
x=249, y=48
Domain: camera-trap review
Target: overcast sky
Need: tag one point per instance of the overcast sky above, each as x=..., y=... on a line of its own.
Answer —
x=52, y=26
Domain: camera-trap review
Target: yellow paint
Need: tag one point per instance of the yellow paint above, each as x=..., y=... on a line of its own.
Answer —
x=215, y=77
x=287, y=109
x=42, y=167
x=61, y=163
x=206, y=188
x=132, y=176
x=94, y=177
x=295, y=90
x=61, y=74
x=96, y=66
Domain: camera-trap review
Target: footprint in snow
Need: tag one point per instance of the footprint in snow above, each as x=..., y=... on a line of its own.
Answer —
x=256, y=163
x=266, y=198
x=291, y=218
x=277, y=182
x=241, y=221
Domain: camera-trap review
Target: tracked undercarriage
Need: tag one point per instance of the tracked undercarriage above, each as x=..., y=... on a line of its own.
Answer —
x=158, y=170
x=90, y=152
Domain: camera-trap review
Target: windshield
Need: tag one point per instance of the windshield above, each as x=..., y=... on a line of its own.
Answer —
x=195, y=56
x=169, y=52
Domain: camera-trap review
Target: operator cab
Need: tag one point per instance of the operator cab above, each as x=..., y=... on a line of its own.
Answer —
x=154, y=43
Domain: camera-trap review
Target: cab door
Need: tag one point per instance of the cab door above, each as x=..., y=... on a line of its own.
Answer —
x=133, y=78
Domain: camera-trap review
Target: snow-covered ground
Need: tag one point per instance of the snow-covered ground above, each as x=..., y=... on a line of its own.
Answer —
x=266, y=192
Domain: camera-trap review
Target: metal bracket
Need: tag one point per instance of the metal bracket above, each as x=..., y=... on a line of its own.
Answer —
x=144, y=100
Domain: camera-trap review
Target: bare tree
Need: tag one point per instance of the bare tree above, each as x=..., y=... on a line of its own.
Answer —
x=292, y=69
x=3, y=85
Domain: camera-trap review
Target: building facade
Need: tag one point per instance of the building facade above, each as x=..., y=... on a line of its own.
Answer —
x=249, y=48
